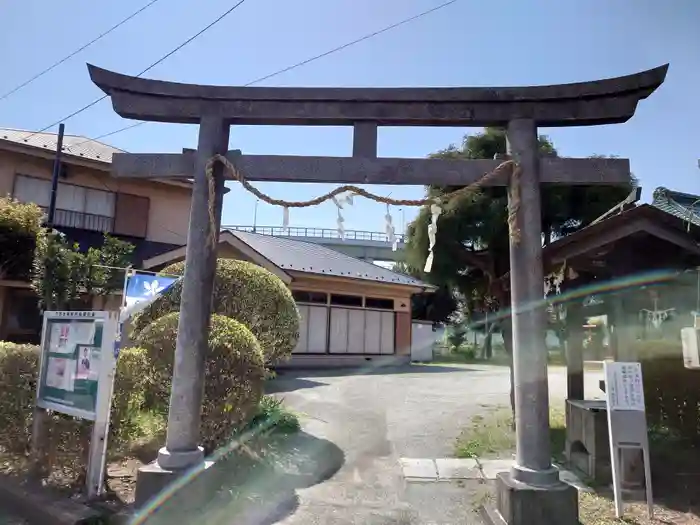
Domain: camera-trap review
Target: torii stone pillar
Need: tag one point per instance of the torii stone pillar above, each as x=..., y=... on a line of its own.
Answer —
x=181, y=446
x=531, y=493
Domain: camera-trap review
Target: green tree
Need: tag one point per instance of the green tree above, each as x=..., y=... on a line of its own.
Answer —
x=472, y=249
x=63, y=275
x=471, y=254
x=437, y=305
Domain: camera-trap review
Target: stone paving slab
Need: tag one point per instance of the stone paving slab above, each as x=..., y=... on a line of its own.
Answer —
x=454, y=469
x=420, y=469
x=492, y=467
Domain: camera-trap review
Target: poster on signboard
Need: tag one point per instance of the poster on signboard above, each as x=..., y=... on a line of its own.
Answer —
x=623, y=383
x=72, y=364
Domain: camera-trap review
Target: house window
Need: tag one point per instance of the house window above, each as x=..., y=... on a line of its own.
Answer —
x=310, y=297
x=379, y=304
x=76, y=206
x=29, y=189
x=346, y=300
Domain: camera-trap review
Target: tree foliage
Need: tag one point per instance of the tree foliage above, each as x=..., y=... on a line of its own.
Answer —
x=62, y=274
x=436, y=306
x=20, y=223
x=472, y=249
x=247, y=293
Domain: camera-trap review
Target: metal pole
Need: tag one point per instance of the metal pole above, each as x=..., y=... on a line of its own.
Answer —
x=255, y=215
x=55, y=174
x=127, y=274
x=533, y=463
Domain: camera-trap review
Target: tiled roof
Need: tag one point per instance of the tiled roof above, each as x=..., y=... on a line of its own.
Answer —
x=682, y=205
x=290, y=254
x=74, y=145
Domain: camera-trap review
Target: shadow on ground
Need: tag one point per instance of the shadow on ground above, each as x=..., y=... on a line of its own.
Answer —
x=371, y=369
x=250, y=489
x=289, y=383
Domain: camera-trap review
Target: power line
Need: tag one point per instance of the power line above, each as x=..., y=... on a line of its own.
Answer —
x=154, y=64
x=71, y=55
x=357, y=41
x=304, y=62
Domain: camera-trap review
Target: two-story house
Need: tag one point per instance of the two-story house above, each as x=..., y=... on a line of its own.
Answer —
x=151, y=214
x=352, y=311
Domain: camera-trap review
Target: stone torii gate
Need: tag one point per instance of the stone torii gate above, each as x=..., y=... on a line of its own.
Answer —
x=531, y=492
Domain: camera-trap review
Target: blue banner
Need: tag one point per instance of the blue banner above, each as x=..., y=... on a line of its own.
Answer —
x=141, y=290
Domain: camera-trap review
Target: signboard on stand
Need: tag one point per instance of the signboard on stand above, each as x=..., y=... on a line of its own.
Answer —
x=627, y=425
x=690, y=337
x=76, y=376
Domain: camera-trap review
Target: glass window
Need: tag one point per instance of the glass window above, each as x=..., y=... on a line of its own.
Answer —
x=29, y=189
x=70, y=198
x=379, y=304
x=310, y=297
x=98, y=202
x=346, y=300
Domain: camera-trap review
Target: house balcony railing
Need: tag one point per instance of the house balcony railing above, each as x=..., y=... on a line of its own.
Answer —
x=322, y=233
x=81, y=220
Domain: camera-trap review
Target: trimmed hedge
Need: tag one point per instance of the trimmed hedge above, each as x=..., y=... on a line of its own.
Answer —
x=19, y=369
x=235, y=372
x=19, y=366
x=133, y=375
x=247, y=293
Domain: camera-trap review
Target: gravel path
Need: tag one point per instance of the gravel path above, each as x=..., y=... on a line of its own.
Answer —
x=380, y=415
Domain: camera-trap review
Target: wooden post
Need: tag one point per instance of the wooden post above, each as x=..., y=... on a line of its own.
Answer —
x=40, y=443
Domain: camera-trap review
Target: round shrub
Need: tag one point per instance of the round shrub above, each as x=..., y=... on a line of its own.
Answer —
x=19, y=368
x=235, y=372
x=131, y=381
x=247, y=293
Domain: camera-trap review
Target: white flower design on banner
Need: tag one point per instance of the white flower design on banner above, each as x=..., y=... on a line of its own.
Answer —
x=152, y=288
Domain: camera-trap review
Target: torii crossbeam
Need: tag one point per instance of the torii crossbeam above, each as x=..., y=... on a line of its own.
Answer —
x=532, y=483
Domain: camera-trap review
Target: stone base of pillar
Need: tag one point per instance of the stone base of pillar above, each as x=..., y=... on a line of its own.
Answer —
x=521, y=504
x=152, y=480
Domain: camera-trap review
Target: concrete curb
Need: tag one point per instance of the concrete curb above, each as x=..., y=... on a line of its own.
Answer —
x=427, y=470
x=491, y=516
x=39, y=506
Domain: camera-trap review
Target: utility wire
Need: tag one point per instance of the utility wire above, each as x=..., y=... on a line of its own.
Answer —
x=357, y=41
x=303, y=62
x=154, y=64
x=71, y=55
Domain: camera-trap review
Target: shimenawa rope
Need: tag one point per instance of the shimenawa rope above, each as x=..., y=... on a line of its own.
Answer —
x=513, y=205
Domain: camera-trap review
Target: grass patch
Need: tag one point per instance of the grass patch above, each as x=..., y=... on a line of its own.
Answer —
x=272, y=417
x=492, y=435
x=469, y=354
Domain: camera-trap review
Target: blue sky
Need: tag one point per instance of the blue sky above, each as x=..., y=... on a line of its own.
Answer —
x=470, y=43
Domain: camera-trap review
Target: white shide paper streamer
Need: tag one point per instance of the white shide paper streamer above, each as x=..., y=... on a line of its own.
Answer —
x=435, y=212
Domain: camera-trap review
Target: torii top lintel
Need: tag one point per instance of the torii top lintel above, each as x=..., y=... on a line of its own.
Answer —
x=608, y=101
